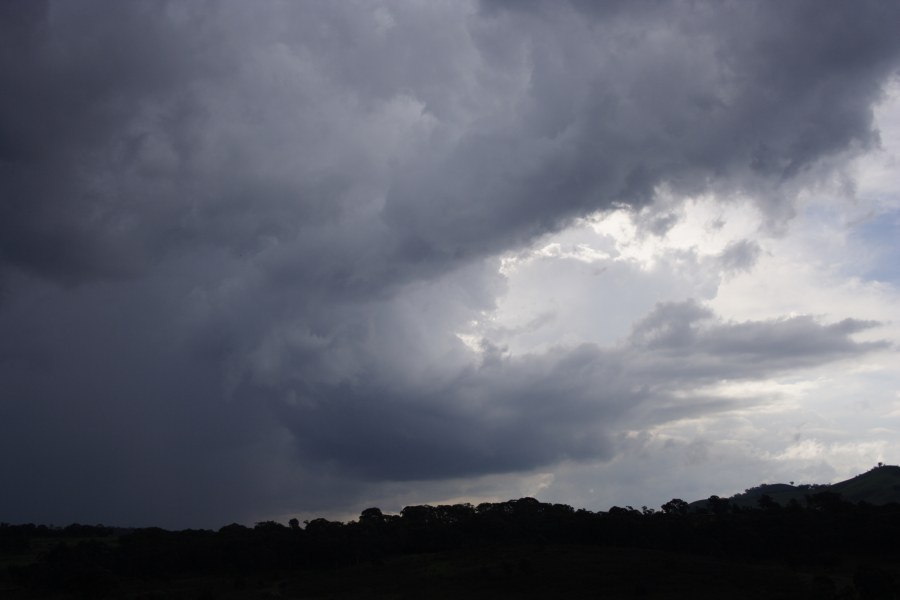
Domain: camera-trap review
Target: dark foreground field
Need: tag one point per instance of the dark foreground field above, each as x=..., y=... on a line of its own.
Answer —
x=529, y=571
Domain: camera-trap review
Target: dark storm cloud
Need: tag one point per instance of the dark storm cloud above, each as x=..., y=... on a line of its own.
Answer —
x=518, y=413
x=685, y=340
x=133, y=129
x=76, y=78
x=237, y=240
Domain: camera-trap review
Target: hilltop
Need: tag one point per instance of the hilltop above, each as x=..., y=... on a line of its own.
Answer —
x=878, y=486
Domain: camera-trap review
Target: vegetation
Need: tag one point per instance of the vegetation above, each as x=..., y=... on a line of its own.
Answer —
x=824, y=547
x=879, y=486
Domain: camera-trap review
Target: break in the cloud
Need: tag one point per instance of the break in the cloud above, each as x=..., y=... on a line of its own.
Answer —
x=277, y=258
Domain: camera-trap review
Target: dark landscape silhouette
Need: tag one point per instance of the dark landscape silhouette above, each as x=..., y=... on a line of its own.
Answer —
x=772, y=541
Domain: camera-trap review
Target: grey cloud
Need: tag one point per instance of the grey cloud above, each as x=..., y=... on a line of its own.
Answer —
x=739, y=256
x=117, y=399
x=661, y=224
x=178, y=125
x=725, y=350
x=743, y=96
x=526, y=412
x=270, y=220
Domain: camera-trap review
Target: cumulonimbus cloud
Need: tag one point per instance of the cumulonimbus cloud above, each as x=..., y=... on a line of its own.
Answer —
x=254, y=229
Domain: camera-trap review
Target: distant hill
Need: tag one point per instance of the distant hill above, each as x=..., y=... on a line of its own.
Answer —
x=879, y=486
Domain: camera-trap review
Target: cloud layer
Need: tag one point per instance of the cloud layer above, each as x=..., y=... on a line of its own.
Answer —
x=239, y=244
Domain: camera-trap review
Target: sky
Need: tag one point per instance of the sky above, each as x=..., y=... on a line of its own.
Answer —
x=263, y=260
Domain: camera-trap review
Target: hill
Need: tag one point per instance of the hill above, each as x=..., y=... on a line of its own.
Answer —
x=878, y=486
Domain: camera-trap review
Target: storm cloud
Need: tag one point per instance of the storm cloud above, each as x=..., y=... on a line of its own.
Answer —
x=238, y=241
x=516, y=413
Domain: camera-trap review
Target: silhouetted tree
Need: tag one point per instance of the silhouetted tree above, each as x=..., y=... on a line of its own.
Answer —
x=371, y=517
x=675, y=506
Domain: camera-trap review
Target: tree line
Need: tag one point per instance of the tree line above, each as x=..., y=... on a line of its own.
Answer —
x=820, y=531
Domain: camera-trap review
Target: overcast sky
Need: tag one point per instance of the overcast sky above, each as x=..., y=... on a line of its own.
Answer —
x=272, y=259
